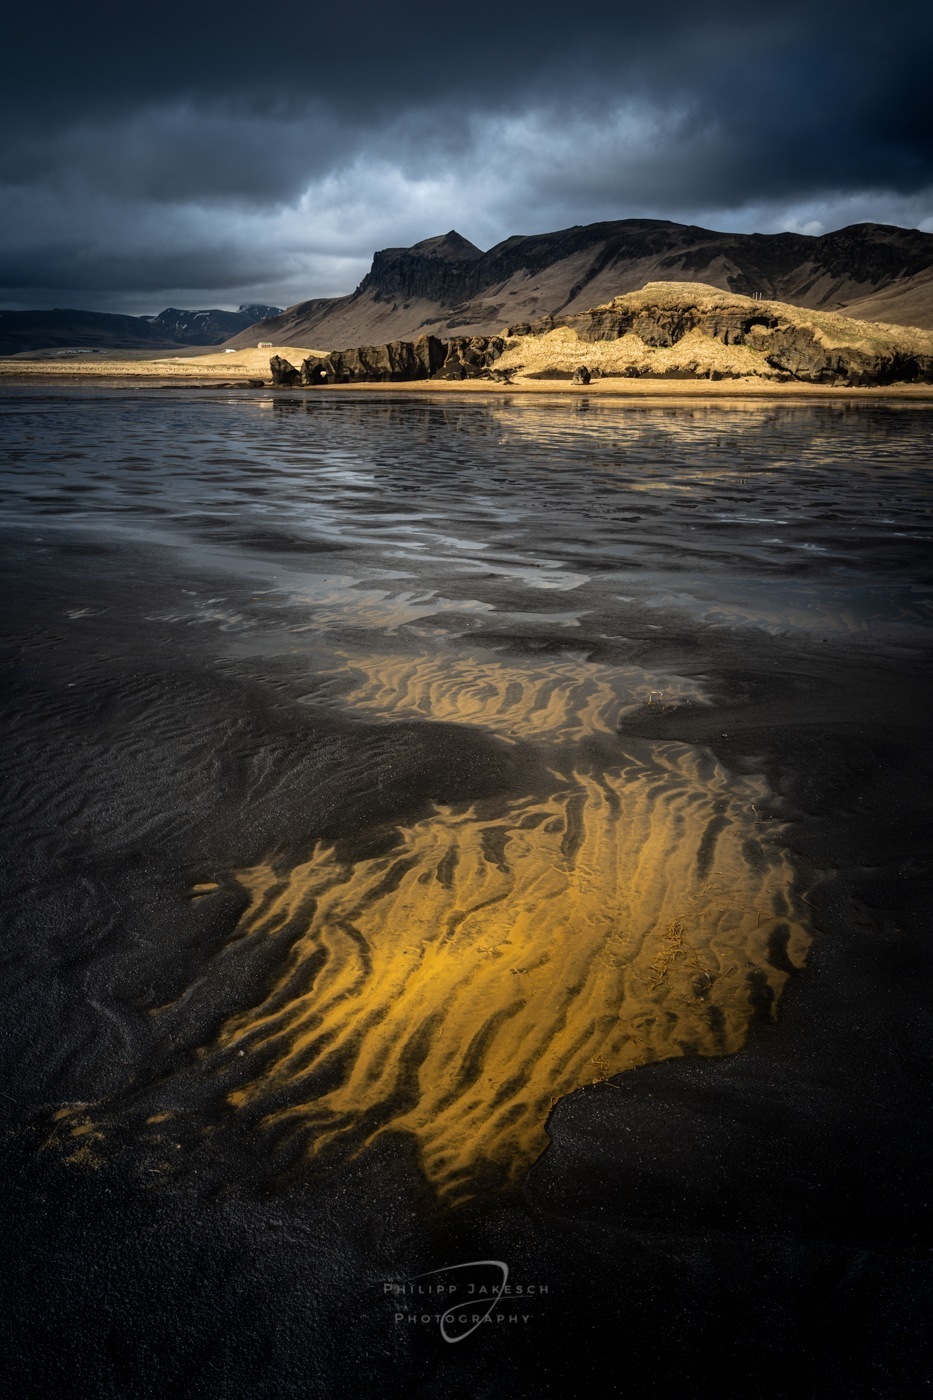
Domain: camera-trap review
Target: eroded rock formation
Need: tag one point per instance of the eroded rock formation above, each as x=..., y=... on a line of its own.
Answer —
x=283, y=373
x=791, y=344
x=471, y=357
x=804, y=355
x=400, y=360
x=372, y=364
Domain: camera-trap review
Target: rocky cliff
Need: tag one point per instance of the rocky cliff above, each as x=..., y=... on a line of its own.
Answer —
x=445, y=286
x=437, y=269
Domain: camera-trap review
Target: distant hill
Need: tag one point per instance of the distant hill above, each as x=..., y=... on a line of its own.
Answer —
x=208, y=327
x=100, y=330
x=445, y=286
x=94, y=330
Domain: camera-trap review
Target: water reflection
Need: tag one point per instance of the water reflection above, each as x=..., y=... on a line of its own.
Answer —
x=485, y=504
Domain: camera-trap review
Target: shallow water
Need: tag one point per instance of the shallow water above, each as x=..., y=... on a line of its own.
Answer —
x=536, y=573
x=783, y=516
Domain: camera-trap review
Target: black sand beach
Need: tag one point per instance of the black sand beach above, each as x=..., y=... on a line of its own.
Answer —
x=441, y=832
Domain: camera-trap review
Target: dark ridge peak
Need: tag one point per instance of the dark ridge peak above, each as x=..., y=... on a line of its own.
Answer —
x=869, y=226
x=608, y=228
x=889, y=232
x=451, y=245
x=437, y=268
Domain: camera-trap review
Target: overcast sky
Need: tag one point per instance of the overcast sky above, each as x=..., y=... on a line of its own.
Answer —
x=212, y=154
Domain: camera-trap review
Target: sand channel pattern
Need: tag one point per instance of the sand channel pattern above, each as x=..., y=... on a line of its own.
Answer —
x=457, y=987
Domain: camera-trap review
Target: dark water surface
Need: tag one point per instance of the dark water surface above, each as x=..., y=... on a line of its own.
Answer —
x=451, y=831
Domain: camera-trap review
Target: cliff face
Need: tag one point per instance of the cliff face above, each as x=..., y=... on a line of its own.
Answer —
x=445, y=286
x=438, y=269
x=425, y=358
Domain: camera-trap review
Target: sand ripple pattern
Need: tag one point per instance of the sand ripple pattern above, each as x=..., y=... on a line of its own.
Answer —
x=560, y=701
x=457, y=987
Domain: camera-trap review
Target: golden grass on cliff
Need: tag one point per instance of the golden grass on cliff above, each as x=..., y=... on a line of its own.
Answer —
x=835, y=328
x=696, y=353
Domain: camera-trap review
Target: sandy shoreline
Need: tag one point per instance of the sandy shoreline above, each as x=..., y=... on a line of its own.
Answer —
x=245, y=368
x=159, y=375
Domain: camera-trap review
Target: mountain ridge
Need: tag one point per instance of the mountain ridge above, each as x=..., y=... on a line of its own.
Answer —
x=413, y=291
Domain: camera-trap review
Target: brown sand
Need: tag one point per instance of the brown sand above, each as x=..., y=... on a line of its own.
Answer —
x=218, y=364
x=210, y=369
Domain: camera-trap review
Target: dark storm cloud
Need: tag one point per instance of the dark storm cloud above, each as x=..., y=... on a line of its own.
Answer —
x=226, y=149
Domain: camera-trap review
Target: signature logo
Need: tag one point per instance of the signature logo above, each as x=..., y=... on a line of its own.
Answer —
x=462, y=1305
x=449, y=1316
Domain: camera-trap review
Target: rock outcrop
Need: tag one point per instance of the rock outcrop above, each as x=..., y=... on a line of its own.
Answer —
x=283, y=373
x=811, y=347
x=470, y=357
x=802, y=353
x=395, y=362
x=401, y=360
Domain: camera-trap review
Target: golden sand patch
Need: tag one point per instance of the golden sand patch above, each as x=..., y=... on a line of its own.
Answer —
x=561, y=700
x=456, y=988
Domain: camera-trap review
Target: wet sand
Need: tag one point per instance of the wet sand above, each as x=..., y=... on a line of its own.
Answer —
x=457, y=831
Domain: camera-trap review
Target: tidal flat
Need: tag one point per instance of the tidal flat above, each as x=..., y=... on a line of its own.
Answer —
x=455, y=829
